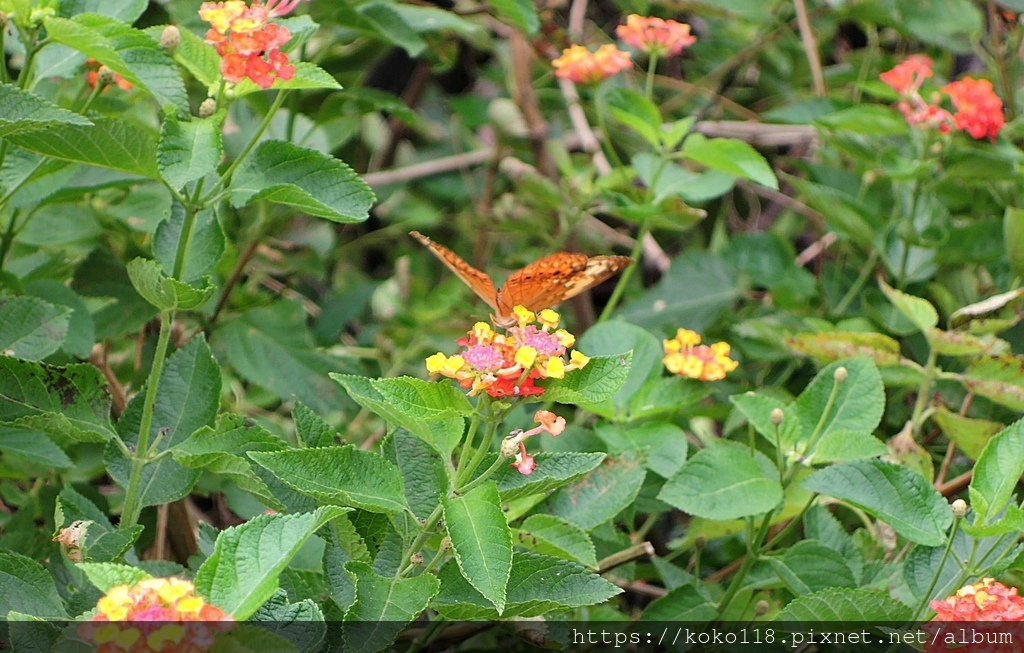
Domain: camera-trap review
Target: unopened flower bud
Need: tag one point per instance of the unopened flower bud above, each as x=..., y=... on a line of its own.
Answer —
x=959, y=508
x=170, y=38
x=777, y=416
x=840, y=374
x=207, y=108
x=761, y=607
x=3, y=20
x=446, y=543
x=700, y=542
x=105, y=76
x=416, y=558
x=510, y=445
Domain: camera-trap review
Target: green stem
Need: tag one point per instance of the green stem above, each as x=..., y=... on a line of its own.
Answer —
x=753, y=551
x=606, y=138
x=938, y=569
x=905, y=258
x=428, y=530
x=652, y=65
x=923, y=392
x=225, y=178
x=467, y=447
x=483, y=477
x=816, y=435
x=132, y=499
x=626, y=275
x=184, y=240
x=858, y=285
x=7, y=240
x=3, y=59
x=478, y=456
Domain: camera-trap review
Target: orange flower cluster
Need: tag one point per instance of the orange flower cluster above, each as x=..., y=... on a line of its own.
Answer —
x=248, y=43
x=157, y=614
x=979, y=111
x=685, y=356
x=580, y=65
x=986, y=600
x=657, y=37
x=507, y=364
x=524, y=463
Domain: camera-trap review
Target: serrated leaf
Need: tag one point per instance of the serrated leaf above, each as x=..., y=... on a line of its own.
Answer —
x=600, y=495
x=917, y=310
x=999, y=378
x=666, y=395
x=809, y=566
x=108, y=143
x=384, y=606
x=481, y=540
x=683, y=603
x=896, y=495
x=553, y=471
x=204, y=248
x=27, y=587
x=189, y=150
x=81, y=333
x=344, y=476
x=857, y=407
x=845, y=605
x=310, y=429
x=33, y=446
x=67, y=403
x=616, y=338
x=31, y=328
x=422, y=400
x=663, y=446
x=299, y=625
x=423, y=472
x=242, y=572
x=107, y=575
x=724, y=481
x=758, y=408
x=22, y=112
x=550, y=535
x=599, y=380
x=996, y=473
x=160, y=290
x=320, y=185
x=442, y=433
x=731, y=156
x=538, y=585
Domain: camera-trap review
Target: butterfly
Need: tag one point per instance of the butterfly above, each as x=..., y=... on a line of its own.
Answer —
x=541, y=284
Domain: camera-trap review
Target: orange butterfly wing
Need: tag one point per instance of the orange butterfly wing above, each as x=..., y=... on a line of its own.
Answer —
x=479, y=282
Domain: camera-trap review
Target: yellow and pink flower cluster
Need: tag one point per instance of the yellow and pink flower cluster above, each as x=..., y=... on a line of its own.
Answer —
x=154, y=615
x=248, y=43
x=685, y=356
x=986, y=600
x=979, y=111
x=507, y=364
x=653, y=36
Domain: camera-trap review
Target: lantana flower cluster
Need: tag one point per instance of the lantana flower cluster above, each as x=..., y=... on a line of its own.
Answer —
x=248, y=43
x=154, y=615
x=508, y=364
x=986, y=600
x=654, y=36
x=979, y=111
x=514, y=446
x=685, y=356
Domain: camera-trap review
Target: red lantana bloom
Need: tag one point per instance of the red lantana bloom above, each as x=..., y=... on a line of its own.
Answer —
x=979, y=111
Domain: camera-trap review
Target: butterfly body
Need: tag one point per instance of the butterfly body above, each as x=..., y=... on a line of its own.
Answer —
x=541, y=284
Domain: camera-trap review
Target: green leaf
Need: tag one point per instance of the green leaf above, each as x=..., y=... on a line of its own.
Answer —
x=999, y=378
x=1013, y=237
x=22, y=112
x=602, y=377
x=697, y=288
x=307, y=76
x=662, y=445
x=635, y=111
x=129, y=52
x=970, y=434
x=189, y=150
x=662, y=396
x=683, y=603
x=196, y=56
x=67, y=403
x=809, y=566
x=30, y=328
x=842, y=446
x=481, y=540
x=188, y=400
x=423, y=472
x=310, y=430
x=896, y=495
x=81, y=333
x=384, y=606
x=866, y=119
x=600, y=495
x=958, y=343
x=758, y=408
x=108, y=143
x=857, y=406
x=390, y=24
x=27, y=587
x=272, y=347
x=242, y=572
x=731, y=156
x=124, y=10
x=830, y=346
x=553, y=471
x=554, y=536
x=107, y=575
x=442, y=433
x=724, y=481
x=162, y=291
x=845, y=604
x=203, y=251
x=344, y=476
x=33, y=446
x=615, y=338
x=422, y=400
x=538, y=585
x=320, y=185
x=917, y=310
x=994, y=474
x=518, y=13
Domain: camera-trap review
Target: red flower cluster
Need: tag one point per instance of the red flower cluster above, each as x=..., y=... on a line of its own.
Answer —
x=979, y=111
x=986, y=600
x=247, y=41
